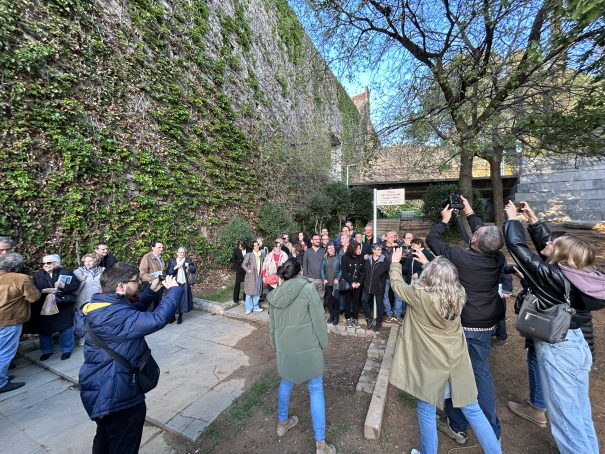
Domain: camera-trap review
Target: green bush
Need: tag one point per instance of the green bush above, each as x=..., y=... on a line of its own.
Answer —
x=273, y=219
x=435, y=193
x=319, y=207
x=236, y=230
x=362, y=199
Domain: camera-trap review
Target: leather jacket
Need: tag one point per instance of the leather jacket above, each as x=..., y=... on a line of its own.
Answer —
x=546, y=280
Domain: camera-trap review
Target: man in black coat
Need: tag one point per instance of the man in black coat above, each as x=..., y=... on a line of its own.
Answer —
x=106, y=258
x=479, y=269
x=240, y=274
x=366, y=249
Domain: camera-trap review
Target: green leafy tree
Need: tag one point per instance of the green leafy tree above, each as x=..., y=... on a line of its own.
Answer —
x=362, y=201
x=319, y=206
x=340, y=200
x=273, y=219
x=237, y=229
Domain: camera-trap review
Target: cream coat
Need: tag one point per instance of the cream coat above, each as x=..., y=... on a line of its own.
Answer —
x=430, y=350
x=271, y=267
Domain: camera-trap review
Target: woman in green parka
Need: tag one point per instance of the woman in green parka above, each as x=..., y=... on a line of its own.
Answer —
x=298, y=335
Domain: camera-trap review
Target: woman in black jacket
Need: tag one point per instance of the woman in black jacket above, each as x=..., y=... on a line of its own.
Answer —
x=61, y=282
x=564, y=366
x=353, y=272
x=376, y=269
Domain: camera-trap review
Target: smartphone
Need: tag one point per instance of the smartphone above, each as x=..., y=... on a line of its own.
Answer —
x=519, y=206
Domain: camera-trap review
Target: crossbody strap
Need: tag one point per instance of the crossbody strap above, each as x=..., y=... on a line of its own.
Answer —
x=567, y=290
x=116, y=356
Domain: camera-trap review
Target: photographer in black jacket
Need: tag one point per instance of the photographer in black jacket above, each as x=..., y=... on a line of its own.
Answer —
x=479, y=269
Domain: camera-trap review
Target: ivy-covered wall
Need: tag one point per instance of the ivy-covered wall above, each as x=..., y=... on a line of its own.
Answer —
x=143, y=120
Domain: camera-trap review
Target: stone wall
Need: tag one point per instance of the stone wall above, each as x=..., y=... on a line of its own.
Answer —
x=563, y=189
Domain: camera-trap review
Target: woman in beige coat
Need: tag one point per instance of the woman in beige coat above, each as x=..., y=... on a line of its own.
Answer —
x=273, y=261
x=431, y=359
x=252, y=283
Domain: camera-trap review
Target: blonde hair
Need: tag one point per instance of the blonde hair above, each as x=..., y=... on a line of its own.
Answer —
x=440, y=279
x=96, y=257
x=573, y=252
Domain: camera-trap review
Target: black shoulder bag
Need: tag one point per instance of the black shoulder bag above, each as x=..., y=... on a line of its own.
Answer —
x=548, y=325
x=146, y=374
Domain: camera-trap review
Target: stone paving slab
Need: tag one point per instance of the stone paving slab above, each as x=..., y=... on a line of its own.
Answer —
x=239, y=312
x=196, y=359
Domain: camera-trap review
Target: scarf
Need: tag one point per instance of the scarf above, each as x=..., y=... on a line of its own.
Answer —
x=258, y=264
x=93, y=271
x=180, y=275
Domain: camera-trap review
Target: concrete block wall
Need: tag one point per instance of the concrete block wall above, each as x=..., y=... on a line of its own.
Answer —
x=563, y=190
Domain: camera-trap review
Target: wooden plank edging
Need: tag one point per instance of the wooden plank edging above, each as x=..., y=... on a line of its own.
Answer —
x=373, y=424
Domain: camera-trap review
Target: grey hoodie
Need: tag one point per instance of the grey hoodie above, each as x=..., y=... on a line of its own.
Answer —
x=589, y=282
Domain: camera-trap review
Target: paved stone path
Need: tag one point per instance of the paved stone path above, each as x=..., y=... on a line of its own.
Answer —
x=196, y=359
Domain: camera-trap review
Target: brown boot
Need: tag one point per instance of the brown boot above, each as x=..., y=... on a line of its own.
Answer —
x=284, y=426
x=323, y=448
x=529, y=412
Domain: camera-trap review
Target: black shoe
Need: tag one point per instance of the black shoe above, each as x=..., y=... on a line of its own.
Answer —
x=341, y=312
x=65, y=356
x=377, y=328
x=349, y=325
x=356, y=323
x=370, y=322
x=45, y=356
x=11, y=387
x=12, y=366
x=10, y=377
x=330, y=319
x=335, y=318
x=180, y=319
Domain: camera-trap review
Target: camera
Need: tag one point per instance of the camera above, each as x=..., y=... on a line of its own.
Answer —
x=454, y=201
x=519, y=206
x=407, y=252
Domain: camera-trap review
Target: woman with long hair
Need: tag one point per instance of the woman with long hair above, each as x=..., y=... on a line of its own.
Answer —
x=354, y=273
x=299, y=334
x=563, y=366
x=304, y=239
x=431, y=360
x=298, y=251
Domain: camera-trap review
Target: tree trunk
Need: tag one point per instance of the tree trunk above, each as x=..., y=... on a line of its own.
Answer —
x=465, y=182
x=497, y=191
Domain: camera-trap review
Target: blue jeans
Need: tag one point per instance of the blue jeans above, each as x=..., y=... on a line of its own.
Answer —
x=536, y=398
x=399, y=308
x=318, y=406
x=66, y=341
x=479, y=347
x=564, y=369
x=9, y=341
x=252, y=301
x=472, y=412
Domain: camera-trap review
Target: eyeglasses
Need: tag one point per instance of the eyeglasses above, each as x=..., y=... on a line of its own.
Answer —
x=47, y=263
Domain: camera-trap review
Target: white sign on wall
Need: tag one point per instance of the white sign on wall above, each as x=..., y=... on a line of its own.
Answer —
x=390, y=197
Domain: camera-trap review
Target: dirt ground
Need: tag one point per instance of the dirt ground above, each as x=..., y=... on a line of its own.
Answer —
x=253, y=431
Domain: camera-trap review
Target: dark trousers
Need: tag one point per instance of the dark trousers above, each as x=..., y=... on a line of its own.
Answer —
x=239, y=279
x=158, y=297
x=367, y=303
x=479, y=347
x=333, y=298
x=353, y=296
x=500, y=330
x=120, y=432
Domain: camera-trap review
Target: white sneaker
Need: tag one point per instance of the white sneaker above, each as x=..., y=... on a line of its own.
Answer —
x=415, y=451
x=247, y=312
x=257, y=310
x=81, y=341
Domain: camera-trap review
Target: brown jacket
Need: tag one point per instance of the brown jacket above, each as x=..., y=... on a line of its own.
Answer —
x=149, y=264
x=430, y=350
x=17, y=292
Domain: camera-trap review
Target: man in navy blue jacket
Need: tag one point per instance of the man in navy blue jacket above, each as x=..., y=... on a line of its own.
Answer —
x=119, y=318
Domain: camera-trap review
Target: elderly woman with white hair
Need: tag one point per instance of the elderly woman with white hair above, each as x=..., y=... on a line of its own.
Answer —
x=183, y=269
x=53, y=279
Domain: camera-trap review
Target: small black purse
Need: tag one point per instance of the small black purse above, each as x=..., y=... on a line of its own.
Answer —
x=146, y=374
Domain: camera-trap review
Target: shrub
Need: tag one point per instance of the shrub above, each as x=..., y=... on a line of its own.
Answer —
x=236, y=230
x=340, y=199
x=362, y=200
x=435, y=193
x=273, y=219
x=319, y=206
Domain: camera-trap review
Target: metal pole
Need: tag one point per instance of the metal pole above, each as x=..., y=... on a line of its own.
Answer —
x=347, y=176
x=375, y=211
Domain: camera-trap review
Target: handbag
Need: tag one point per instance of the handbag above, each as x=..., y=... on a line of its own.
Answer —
x=548, y=325
x=146, y=374
x=344, y=286
x=271, y=279
x=191, y=278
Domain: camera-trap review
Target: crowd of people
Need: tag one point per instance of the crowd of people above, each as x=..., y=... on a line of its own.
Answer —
x=450, y=301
